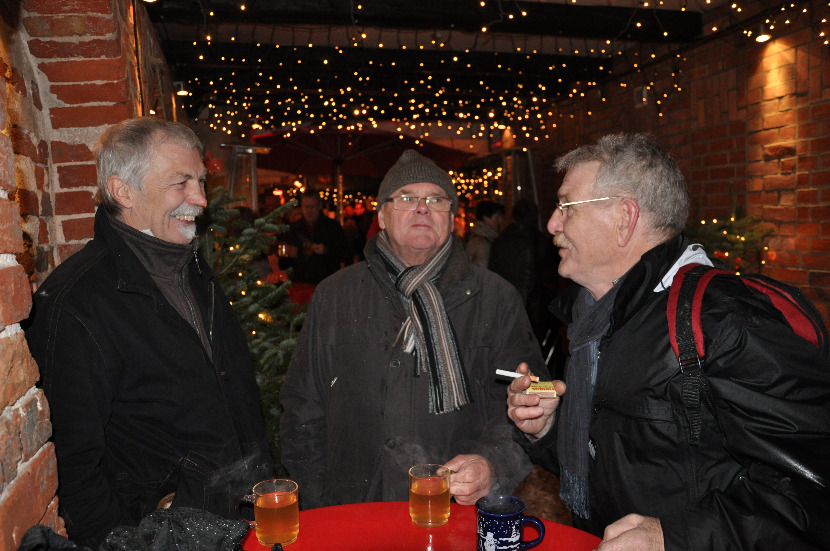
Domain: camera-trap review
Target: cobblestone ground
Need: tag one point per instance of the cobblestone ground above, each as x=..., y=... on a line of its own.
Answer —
x=540, y=492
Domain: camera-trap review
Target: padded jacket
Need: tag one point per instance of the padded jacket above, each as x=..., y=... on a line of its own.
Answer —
x=759, y=477
x=139, y=410
x=356, y=416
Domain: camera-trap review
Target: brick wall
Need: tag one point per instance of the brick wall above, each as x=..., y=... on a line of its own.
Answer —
x=749, y=125
x=68, y=70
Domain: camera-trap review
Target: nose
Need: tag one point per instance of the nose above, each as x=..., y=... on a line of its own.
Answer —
x=422, y=205
x=555, y=222
x=196, y=193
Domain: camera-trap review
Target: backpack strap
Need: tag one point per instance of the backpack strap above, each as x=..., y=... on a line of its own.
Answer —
x=686, y=337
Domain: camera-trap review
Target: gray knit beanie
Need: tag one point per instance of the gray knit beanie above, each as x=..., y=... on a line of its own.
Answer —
x=414, y=168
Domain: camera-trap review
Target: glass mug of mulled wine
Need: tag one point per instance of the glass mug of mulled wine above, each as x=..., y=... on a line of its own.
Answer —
x=276, y=511
x=429, y=494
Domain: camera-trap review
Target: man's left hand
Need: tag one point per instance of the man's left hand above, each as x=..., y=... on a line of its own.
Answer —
x=472, y=476
x=634, y=532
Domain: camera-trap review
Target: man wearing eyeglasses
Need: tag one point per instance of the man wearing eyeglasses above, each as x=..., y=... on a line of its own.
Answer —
x=395, y=364
x=629, y=471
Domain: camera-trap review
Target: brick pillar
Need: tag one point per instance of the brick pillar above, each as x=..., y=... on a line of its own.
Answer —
x=28, y=473
x=67, y=70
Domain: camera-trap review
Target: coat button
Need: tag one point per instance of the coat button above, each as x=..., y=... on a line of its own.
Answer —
x=390, y=443
x=395, y=363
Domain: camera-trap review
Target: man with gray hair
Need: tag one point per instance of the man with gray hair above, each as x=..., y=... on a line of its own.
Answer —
x=396, y=361
x=142, y=359
x=632, y=465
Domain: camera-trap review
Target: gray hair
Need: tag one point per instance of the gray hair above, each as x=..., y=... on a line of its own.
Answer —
x=127, y=148
x=632, y=165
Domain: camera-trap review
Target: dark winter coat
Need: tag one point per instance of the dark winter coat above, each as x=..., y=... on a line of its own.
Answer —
x=759, y=478
x=139, y=410
x=355, y=415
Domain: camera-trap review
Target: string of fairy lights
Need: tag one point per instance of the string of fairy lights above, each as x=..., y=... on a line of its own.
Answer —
x=437, y=97
x=283, y=100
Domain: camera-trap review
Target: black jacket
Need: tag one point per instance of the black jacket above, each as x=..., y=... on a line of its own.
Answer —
x=138, y=408
x=761, y=471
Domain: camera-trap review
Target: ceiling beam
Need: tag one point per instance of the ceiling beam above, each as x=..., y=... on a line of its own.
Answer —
x=542, y=18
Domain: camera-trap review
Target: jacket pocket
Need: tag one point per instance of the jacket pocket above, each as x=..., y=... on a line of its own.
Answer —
x=141, y=498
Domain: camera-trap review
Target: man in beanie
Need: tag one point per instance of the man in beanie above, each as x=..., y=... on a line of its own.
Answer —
x=396, y=361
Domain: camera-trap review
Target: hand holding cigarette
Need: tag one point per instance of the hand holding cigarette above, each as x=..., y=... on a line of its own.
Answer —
x=514, y=375
x=533, y=412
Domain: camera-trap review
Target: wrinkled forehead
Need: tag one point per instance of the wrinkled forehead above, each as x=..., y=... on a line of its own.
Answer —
x=422, y=189
x=579, y=180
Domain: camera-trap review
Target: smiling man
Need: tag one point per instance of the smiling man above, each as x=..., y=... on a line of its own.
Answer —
x=395, y=364
x=142, y=359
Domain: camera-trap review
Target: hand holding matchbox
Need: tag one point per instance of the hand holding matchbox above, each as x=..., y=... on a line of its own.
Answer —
x=542, y=388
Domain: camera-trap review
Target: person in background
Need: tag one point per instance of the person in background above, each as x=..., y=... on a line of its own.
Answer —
x=620, y=436
x=142, y=359
x=353, y=239
x=527, y=258
x=363, y=215
x=395, y=364
x=320, y=242
x=348, y=212
x=489, y=218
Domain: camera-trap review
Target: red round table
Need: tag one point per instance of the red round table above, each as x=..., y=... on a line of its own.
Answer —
x=385, y=526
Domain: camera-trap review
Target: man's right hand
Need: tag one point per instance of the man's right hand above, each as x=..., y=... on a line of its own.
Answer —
x=532, y=414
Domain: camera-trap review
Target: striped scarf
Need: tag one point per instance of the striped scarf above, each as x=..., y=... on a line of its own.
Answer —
x=427, y=332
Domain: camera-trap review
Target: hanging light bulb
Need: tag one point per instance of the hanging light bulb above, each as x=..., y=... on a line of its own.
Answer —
x=763, y=32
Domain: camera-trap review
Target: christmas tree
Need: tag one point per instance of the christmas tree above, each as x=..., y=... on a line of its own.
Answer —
x=735, y=242
x=236, y=242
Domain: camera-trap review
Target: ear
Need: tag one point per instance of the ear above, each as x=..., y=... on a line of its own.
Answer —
x=628, y=216
x=381, y=221
x=121, y=191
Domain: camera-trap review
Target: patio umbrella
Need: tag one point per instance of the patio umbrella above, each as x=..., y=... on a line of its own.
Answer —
x=347, y=153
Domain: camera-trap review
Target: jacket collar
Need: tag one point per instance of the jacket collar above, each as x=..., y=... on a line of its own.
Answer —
x=132, y=275
x=645, y=275
x=639, y=282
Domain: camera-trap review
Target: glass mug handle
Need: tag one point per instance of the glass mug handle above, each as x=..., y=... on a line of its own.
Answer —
x=539, y=526
x=249, y=499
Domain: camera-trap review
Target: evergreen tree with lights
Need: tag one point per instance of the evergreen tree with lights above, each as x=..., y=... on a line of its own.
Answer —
x=736, y=242
x=235, y=247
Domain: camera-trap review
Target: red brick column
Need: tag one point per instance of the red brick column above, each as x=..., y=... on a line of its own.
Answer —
x=67, y=70
x=28, y=474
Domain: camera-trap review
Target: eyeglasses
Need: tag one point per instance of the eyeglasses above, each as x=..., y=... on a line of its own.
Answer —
x=411, y=202
x=563, y=207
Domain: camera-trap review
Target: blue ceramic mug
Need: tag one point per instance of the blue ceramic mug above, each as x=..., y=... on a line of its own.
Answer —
x=499, y=522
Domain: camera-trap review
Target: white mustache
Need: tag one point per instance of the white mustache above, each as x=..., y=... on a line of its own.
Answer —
x=561, y=241
x=187, y=210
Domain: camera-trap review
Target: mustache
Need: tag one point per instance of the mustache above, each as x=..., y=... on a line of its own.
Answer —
x=187, y=210
x=561, y=241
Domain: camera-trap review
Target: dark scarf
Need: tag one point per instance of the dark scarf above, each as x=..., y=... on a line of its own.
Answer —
x=591, y=320
x=427, y=332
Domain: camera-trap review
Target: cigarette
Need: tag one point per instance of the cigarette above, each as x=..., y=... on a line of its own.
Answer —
x=514, y=375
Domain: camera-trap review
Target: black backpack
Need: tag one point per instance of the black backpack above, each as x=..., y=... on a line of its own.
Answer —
x=686, y=333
